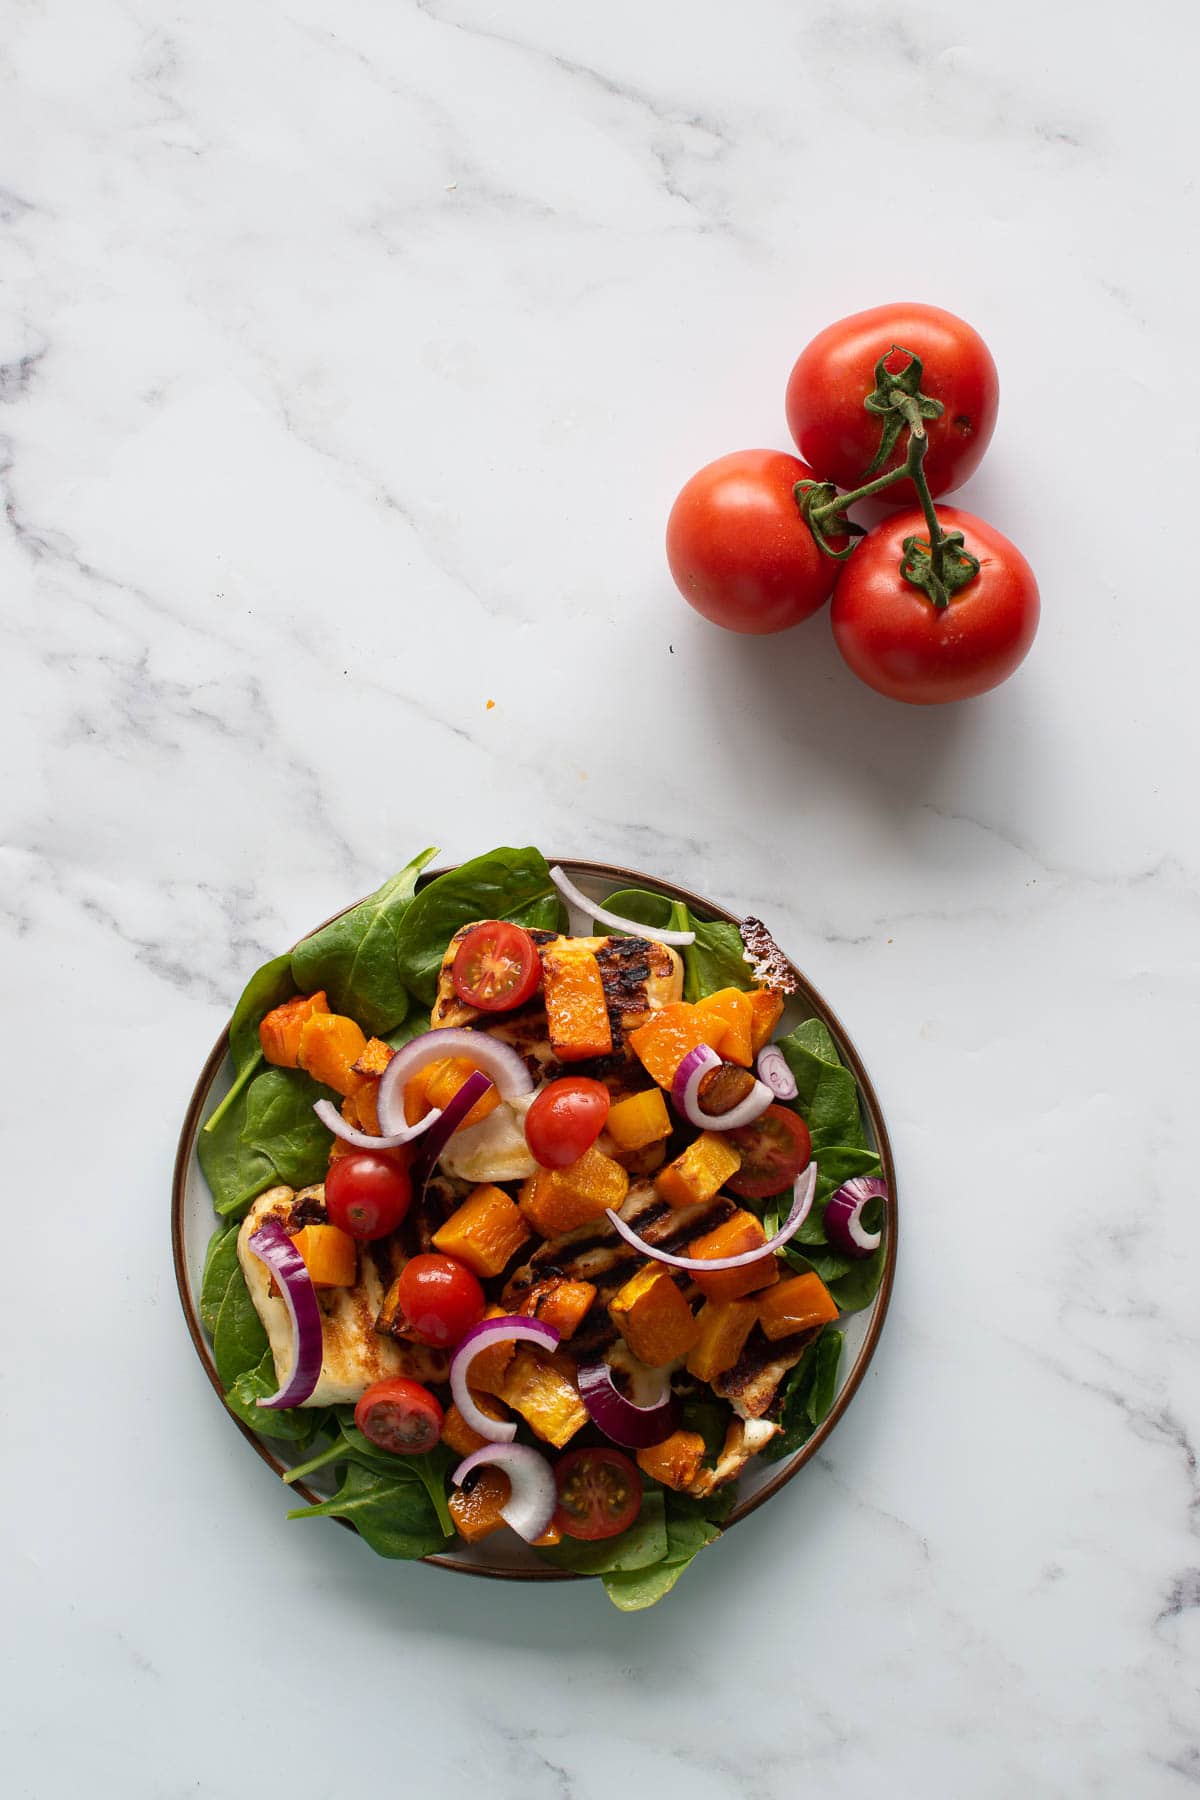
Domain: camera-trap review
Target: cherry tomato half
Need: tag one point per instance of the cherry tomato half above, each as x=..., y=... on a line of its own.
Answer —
x=774, y=1150
x=899, y=643
x=368, y=1193
x=496, y=967
x=834, y=374
x=738, y=548
x=399, y=1415
x=599, y=1493
x=565, y=1120
x=440, y=1299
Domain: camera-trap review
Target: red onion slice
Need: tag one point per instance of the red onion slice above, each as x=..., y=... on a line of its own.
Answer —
x=329, y=1115
x=451, y=1117
x=514, y=1328
x=634, y=1427
x=685, y=1092
x=843, y=1215
x=530, y=1507
x=272, y=1245
x=656, y=933
x=802, y=1198
x=773, y=1069
x=497, y=1060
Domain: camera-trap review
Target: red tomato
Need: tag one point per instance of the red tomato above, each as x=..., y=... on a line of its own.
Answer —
x=565, y=1120
x=738, y=548
x=774, y=1150
x=599, y=1493
x=899, y=643
x=440, y=1299
x=400, y=1415
x=368, y=1193
x=834, y=374
x=496, y=967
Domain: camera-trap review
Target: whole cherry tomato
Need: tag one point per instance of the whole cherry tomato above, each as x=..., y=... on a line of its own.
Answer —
x=440, y=1299
x=368, y=1192
x=899, y=643
x=836, y=433
x=738, y=548
x=565, y=1120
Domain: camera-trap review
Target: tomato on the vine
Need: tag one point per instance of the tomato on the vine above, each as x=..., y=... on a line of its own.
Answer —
x=368, y=1192
x=496, y=967
x=599, y=1493
x=440, y=1299
x=399, y=1415
x=565, y=1120
x=899, y=643
x=836, y=433
x=738, y=548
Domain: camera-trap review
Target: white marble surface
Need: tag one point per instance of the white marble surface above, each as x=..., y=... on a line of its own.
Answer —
x=351, y=358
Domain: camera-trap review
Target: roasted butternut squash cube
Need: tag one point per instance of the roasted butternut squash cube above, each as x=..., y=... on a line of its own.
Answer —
x=733, y=1007
x=436, y=1085
x=576, y=1005
x=665, y=1039
x=279, y=1031
x=639, y=1120
x=488, y=1366
x=560, y=1303
x=330, y=1255
x=723, y=1327
x=330, y=1045
x=463, y=1438
x=557, y=1200
x=653, y=1317
x=739, y=1233
x=542, y=1389
x=676, y=1461
x=375, y=1057
x=700, y=1172
x=486, y=1231
x=799, y=1304
x=476, y=1509
x=766, y=1010
x=366, y=1105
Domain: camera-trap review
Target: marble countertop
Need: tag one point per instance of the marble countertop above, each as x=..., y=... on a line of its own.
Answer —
x=350, y=358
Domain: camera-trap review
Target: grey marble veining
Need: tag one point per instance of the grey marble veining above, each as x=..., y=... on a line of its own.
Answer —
x=350, y=359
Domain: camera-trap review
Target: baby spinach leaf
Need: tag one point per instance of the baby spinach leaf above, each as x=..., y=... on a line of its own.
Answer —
x=809, y=1392
x=644, y=1543
x=355, y=958
x=860, y=1283
x=238, y=1336
x=393, y=1513
x=715, y=960
x=268, y=987
x=220, y=1263
x=282, y=1128
x=827, y=1094
x=642, y=907
x=504, y=884
x=823, y=1390
x=431, y=1467
x=633, y=1590
x=412, y=1027
x=294, y=1425
x=234, y=1173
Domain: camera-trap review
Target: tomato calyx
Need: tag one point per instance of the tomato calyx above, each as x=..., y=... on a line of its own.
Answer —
x=897, y=399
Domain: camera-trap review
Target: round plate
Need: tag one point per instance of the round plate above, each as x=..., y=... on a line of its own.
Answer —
x=193, y=1221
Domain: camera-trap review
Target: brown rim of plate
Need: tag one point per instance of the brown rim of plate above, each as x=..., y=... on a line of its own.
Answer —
x=702, y=908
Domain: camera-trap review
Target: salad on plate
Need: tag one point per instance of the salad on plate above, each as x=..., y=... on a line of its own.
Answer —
x=534, y=1221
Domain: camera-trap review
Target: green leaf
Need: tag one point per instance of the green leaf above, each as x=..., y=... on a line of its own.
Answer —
x=714, y=961
x=809, y=1391
x=860, y=1284
x=356, y=958
x=296, y=1425
x=643, y=907
x=235, y=1173
x=687, y=1534
x=505, y=884
x=827, y=1094
x=644, y=1543
x=412, y=1027
x=823, y=1388
x=238, y=1336
x=282, y=1128
x=393, y=1513
x=220, y=1264
x=267, y=987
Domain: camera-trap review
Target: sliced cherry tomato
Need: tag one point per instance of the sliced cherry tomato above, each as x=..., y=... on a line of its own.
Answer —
x=399, y=1415
x=496, y=967
x=738, y=548
x=774, y=1150
x=440, y=1299
x=565, y=1120
x=599, y=1493
x=368, y=1192
x=899, y=643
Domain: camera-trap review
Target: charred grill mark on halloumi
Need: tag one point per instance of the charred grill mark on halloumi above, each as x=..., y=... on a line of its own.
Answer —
x=744, y=1439
x=754, y=1379
x=353, y=1352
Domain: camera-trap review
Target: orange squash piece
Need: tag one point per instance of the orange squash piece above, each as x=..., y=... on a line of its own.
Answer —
x=563, y=1304
x=799, y=1304
x=739, y=1233
x=676, y=1461
x=488, y=1366
x=665, y=1039
x=330, y=1255
x=557, y=1200
x=766, y=1010
x=576, y=1007
x=653, y=1317
x=279, y=1032
x=476, y=1509
x=733, y=1007
x=486, y=1231
x=436, y=1085
x=375, y=1058
x=542, y=1388
x=702, y=1170
x=723, y=1327
x=461, y=1437
x=330, y=1045
x=639, y=1120
x=366, y=1105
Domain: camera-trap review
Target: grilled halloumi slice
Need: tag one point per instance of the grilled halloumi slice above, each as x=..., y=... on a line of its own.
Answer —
x=744, y=1439
x=753, y=1381
x=354, y=1353
x=639, y=977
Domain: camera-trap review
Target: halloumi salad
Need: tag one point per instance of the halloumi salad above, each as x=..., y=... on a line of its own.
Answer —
x=534, y=1219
